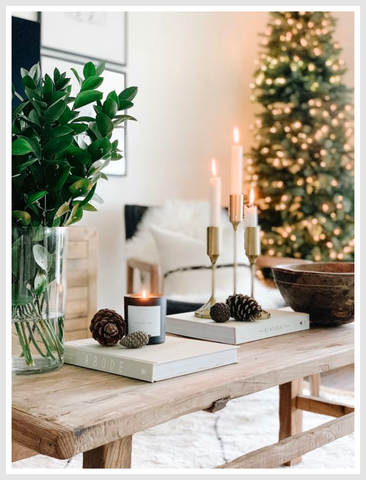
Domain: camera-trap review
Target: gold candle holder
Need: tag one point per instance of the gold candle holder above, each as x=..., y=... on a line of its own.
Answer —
x=236, y=210
x=213, y=251
x=253, y=250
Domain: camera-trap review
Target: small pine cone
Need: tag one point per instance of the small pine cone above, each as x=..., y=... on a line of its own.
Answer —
x=135, y=340
x=220, y=312
x=243, y=307
x=107, y=327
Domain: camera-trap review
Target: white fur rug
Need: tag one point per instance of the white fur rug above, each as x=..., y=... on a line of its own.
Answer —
x=203, y=440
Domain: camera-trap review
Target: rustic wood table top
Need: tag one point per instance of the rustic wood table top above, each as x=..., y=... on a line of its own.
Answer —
x=76, y=410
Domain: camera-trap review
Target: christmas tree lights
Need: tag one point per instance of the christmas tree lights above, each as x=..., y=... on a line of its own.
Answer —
x=302, y=164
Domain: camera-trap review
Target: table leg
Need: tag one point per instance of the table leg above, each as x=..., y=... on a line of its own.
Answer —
x=290, y=416
x=116, y=454
x=314, y=381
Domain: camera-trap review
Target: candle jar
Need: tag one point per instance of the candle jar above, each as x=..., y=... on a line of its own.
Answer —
x=146, y=314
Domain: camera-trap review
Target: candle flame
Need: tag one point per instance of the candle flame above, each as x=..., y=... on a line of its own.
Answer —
x=236, y=135
x=213, y=166
x=251, y=196
x=144, y=294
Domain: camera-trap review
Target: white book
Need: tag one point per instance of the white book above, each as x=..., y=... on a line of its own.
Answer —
x=235, y=332
x=175, y=357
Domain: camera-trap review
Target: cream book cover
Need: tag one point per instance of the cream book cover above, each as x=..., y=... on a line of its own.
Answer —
x=175, y=357
x=234, y=332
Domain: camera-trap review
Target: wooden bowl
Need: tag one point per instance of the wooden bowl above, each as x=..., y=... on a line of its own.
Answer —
x=324, y=290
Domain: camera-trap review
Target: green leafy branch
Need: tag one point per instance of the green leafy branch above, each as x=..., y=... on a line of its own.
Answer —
x=58, y=155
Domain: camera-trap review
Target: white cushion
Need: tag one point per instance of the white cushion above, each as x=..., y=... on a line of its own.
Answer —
x=181, y=258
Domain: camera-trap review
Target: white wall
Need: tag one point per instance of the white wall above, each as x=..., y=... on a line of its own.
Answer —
x=193, y=72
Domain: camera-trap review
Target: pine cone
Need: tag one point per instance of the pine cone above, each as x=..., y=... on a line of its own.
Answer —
x=107, y=327
x=243, y=307
x=220, y=312
x=135, y=340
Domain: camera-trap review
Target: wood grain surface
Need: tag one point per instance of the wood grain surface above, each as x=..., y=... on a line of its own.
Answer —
x=76, y=410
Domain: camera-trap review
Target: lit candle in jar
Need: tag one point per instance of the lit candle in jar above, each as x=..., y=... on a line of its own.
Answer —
x=146, y=313
x=215, y=197
x=236, y=168
x=250, y=212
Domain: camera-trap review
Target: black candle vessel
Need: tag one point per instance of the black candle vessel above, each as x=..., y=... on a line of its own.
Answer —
x=146, y=313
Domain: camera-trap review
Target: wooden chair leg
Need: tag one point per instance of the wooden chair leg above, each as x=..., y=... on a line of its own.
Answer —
x=113, y=455
x=314, y=381
x=290, y=415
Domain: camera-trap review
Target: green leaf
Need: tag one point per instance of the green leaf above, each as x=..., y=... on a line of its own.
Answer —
x=89, y=196
x=20, y=168
x=113, y=95
x=60, y=179
x=65, y=117
x=91, y=82
x=128, y=94
x=57, y=95
x=62, y=210
x=110, y=107
x=42, y=257
x=76, y=75
x=83, y=119
x=89, y=207
x=35, y=73
x=34, y=143
x=47, y=89
x=40, y=283
x=34, y=197
x=124, y=105
x=79, y=127
x=121, y=118
x=59, y=131
x=82, y=155
x=99, y=148
x=100, y=68
x=56, y=74
x=20, y=295
x=62, y=83
x=76, y=214
x=55, y=111
x=55, y=146
x=105, y=124
x=28, y=81
x=86, y=97
x=80, y=187
x=21, y=146
x=34, y=125
x=23, y=72
x=23, y=218
x=89, y=70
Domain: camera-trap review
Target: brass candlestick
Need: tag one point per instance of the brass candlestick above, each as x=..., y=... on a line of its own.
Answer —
x=252, y=251
x=236, y=210
x=213, y=251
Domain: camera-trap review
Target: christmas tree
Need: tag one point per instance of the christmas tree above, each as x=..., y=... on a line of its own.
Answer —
x=302, y=164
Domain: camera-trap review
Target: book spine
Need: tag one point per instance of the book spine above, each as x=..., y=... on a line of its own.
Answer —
x=110, y=364
x=274, y=328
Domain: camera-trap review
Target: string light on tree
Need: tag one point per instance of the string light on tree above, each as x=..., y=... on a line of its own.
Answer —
x=302, y=164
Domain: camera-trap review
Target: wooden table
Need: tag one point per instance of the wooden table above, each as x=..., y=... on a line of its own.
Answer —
x=77, y=410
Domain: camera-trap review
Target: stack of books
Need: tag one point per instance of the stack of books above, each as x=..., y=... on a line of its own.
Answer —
x=181, y=355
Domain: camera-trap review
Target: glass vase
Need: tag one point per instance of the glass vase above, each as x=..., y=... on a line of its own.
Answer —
x=38, y=299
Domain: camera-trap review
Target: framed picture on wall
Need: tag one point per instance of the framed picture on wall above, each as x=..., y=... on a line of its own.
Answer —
x=84, y=36
x=112, y=81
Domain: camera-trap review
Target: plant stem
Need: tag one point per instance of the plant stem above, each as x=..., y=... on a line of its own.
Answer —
x=50, y=354
x=34, y=341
